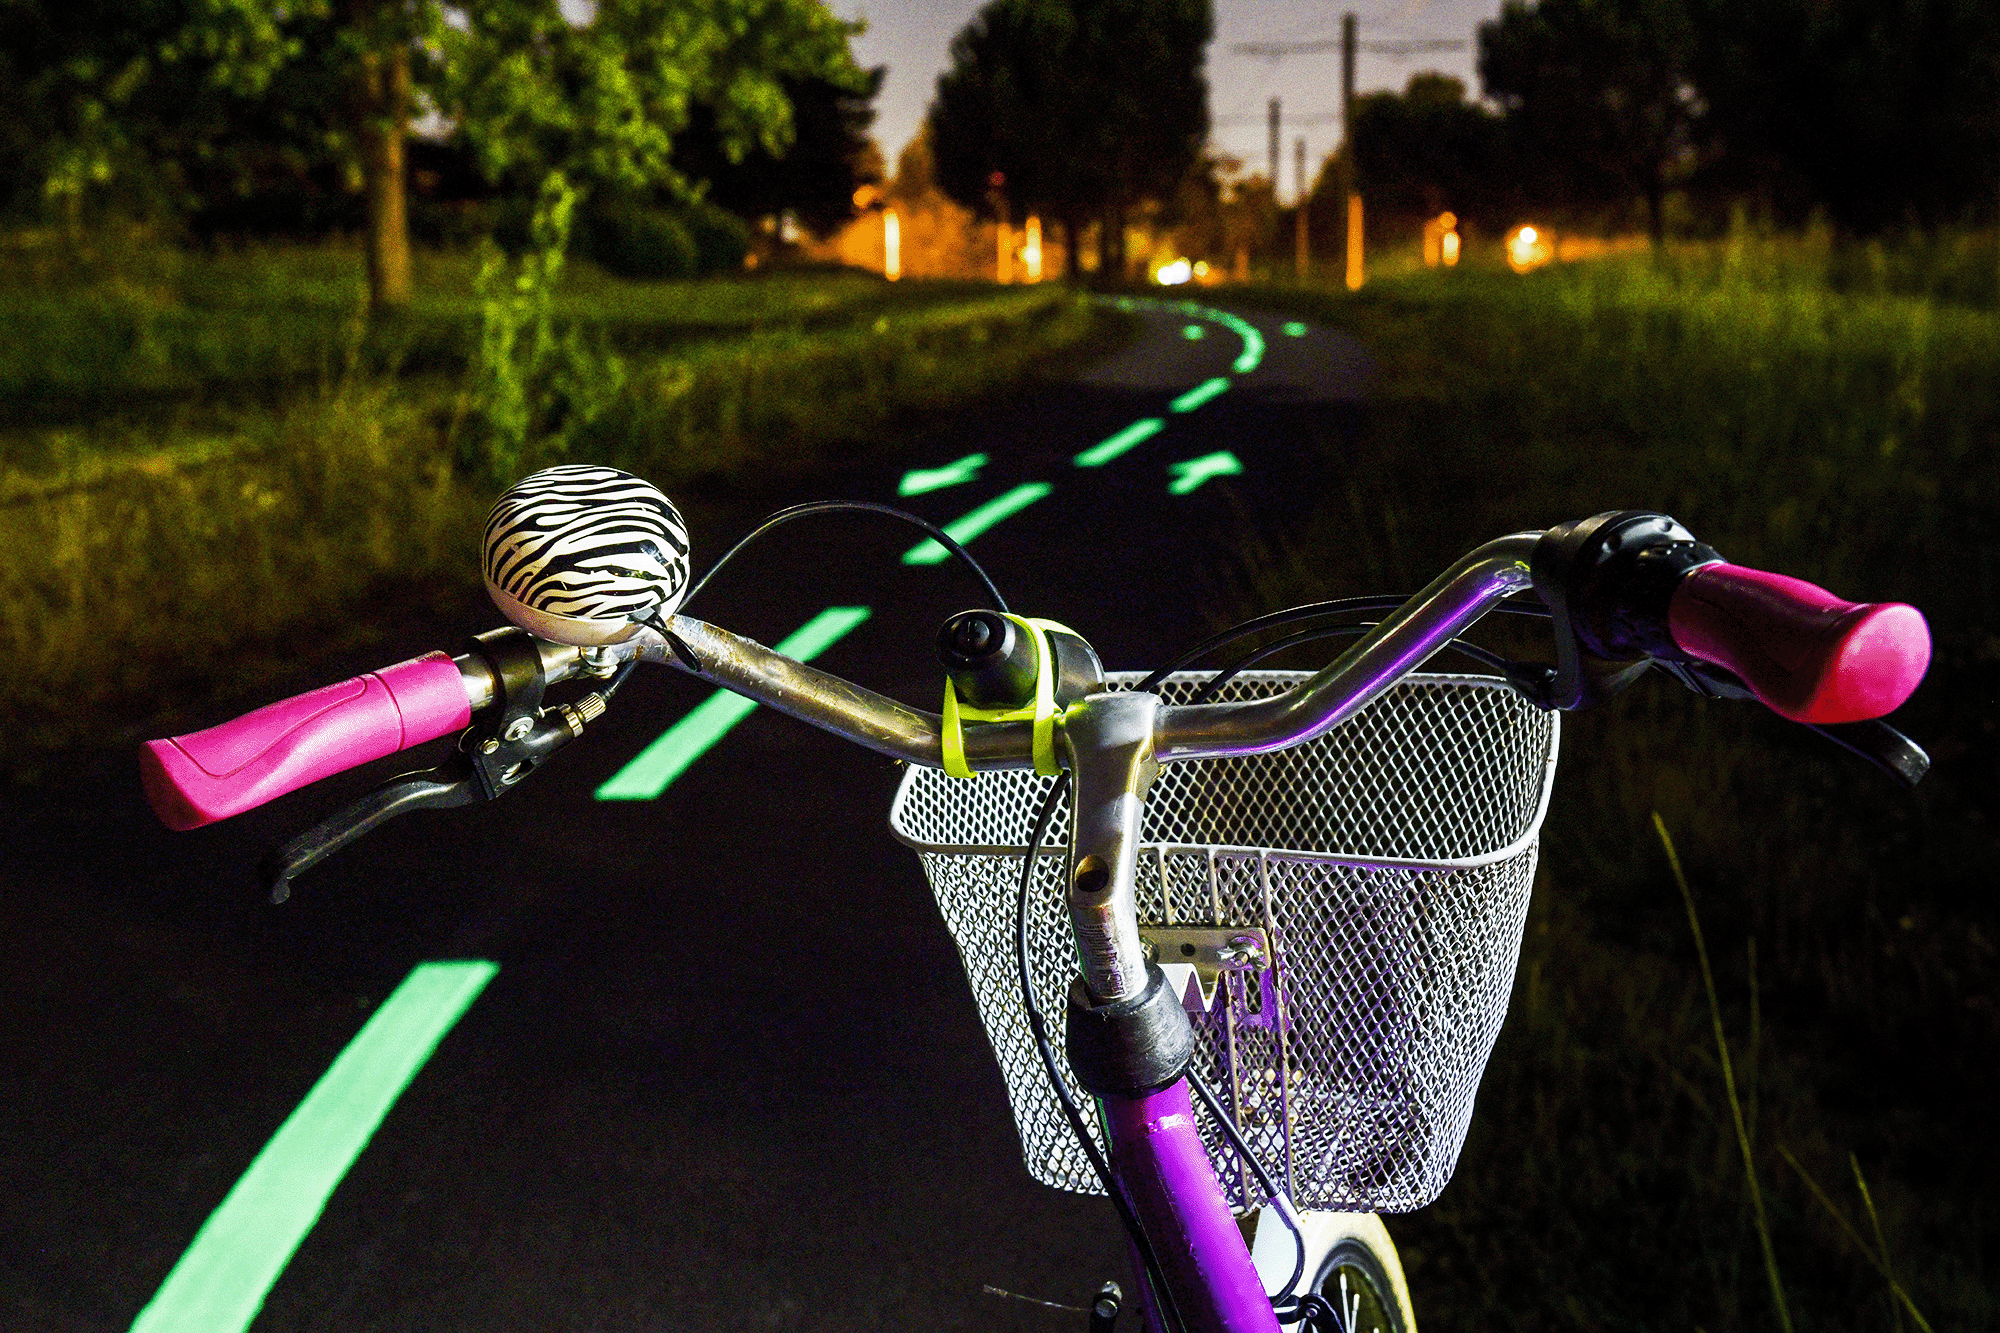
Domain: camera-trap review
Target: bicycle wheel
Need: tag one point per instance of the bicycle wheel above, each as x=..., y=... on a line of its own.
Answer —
x=1361, y=1277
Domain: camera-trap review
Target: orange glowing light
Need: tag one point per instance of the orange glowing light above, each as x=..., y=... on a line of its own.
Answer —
x=1529, y=247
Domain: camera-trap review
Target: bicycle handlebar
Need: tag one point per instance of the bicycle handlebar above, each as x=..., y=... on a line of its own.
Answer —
x=209, y=775
x=1806, y=654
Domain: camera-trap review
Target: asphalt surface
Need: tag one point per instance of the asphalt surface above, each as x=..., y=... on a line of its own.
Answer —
x=728, y=1074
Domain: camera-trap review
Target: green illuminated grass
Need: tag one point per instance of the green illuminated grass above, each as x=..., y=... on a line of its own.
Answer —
x=221, y=1281
x=1100, y=454
x=965, y=528
x=659, y=764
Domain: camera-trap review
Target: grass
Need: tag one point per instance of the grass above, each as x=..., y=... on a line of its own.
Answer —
x=168, y=408
x=1839, y=431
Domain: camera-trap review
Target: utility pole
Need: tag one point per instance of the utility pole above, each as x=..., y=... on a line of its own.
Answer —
x=1304, y=256
x=1274, y=150
x=1348, y=42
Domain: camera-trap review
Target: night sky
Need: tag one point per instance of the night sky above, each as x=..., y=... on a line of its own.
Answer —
x=913, y=37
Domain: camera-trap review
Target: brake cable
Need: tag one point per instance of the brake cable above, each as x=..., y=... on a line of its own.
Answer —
x=783, y=516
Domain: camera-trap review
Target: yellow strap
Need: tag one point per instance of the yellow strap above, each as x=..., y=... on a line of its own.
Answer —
x=1042, y=712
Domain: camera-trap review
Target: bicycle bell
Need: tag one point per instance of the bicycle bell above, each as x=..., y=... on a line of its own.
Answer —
x=584, y=555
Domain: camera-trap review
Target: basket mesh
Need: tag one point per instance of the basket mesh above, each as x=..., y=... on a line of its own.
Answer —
x=1389, y=863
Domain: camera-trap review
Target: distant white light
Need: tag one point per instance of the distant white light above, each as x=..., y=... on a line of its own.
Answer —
x=1174, y=274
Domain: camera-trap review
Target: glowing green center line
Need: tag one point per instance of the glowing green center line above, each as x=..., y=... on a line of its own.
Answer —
x=964, y=529
x=1100, y=454
x=1194, y=333
x=220, y=1283
x=657, y=766
x=1252, y=354
x=1199, y=394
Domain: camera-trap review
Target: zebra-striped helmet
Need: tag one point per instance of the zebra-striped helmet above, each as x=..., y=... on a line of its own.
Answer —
x=581, y=554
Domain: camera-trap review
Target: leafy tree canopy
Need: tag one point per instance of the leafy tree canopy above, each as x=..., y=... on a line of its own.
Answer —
x=815, y=178
x=195, y=92
x=1427, y=149
x=1598, y=97
x=1073, y=108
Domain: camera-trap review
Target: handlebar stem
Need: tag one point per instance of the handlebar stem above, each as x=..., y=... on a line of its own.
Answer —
x=1400, y=644
x=1109, y=739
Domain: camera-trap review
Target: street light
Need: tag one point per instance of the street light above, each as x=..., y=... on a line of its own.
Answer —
x=1529, y=247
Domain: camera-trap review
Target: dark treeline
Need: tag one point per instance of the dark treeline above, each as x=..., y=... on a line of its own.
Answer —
x=1879, y=115
x=237, y=117
x=1079, y=110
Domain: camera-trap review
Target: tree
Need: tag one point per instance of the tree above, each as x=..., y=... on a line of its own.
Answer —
x=1597, y=94
x=1426, y=150
x=531, y=93
x=1076, y=109
x=815, y=177
x=1881, y=111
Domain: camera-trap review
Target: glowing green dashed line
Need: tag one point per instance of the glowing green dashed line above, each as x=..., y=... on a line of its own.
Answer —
x=659, y=764
x=220, y=1283
x=1100, y=454
x=928, y=552
x=1294, y=329
x=1199, y=394
x=1194, y=333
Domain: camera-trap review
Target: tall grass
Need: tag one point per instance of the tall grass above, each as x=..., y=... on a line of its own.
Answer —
x=1842, y=435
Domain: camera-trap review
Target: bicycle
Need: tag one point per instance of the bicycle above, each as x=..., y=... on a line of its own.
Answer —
x=1284, y=927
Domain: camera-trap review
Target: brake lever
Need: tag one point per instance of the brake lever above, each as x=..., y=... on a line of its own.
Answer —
x=491, y=761
x=450, y=784
x=1876, y=741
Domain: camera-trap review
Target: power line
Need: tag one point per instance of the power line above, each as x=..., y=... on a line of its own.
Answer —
x=1396, y=50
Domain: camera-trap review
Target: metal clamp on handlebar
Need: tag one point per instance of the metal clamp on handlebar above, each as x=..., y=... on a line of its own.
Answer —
x=1007, y=668
x=1607, y=581
x=494, y=755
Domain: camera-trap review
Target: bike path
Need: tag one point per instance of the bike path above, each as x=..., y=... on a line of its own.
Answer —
x=727, y=1073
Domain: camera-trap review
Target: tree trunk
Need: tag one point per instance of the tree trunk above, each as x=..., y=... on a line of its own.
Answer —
x=384, y=97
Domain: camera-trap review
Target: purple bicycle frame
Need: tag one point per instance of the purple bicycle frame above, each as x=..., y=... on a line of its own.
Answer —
x=1159, y=1160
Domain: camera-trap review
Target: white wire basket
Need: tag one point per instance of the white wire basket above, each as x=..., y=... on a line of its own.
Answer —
x=1380, y=876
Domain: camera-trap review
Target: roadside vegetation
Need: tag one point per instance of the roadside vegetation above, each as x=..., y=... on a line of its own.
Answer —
x=206, y=451
x=1825, y=411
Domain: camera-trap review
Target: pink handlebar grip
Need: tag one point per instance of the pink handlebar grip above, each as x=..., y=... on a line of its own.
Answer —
x=1807, y=654
x=209, y=775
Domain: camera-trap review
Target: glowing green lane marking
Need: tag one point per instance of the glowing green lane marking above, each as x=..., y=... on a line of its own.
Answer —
x=1192, y=472
x=1253, y=341
x=656, y=766
x=1199, y=394
x=928, y=552
x=1294, y=329
x=1194, y=333
x=1100, y=454
x=220, y=1283
x=919, y=480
